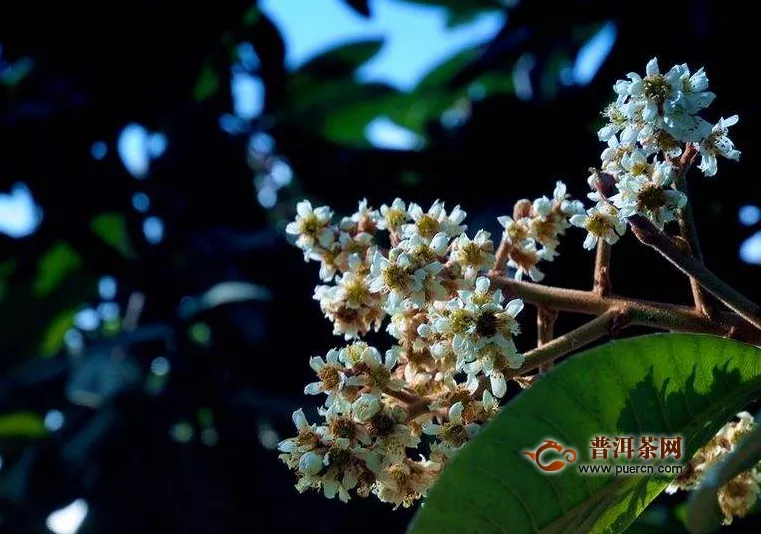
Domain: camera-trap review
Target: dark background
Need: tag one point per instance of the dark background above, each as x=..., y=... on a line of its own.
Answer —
x=185, y=443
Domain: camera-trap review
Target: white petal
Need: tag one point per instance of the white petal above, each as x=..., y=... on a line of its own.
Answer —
x=304, y=208
x=514, y=307
x=652, y=67
x=315, y=388
x=498, y=384
x=299, y=419
x=432, y=429
x=455, y=412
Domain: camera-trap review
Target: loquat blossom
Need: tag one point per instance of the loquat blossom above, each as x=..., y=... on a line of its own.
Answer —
x=453, y=337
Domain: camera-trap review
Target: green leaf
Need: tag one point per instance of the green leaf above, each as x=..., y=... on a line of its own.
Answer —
x=7, y=268
x=665, y=384
x=112, y=228
x=340, y=110
x=703, y=512
x=341, y=61
x=21, y=425
x=207, y=84
x=54, y=266
x=52, y=340
x=432, y=96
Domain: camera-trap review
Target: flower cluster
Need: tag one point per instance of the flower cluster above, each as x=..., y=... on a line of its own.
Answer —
x=452, y=335
x=739, y=494
x=532, y=233
x=391, y=420
x=653, y=122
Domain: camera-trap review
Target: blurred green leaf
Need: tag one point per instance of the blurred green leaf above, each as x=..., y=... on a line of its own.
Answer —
x=22, y=425
x=340, y=110
x=458, y=18
x=54, y=266
x=341, y=61
x=7, y=268
x=432, y=96
x=347, y=123
x=112, y=228
x=441, y=74
x=207, y=84
x=200, y=333
x=52, y=340
x=251, y=16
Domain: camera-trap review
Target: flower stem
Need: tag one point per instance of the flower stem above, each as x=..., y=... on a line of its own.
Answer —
x=406, y=398
x=545, y=327
x=545, y=324
x=658, y=315
x=602, y=269
x=651, y=236
x=687, y=228
x=609, y=322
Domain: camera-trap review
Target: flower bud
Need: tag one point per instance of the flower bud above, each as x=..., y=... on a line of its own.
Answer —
x=602, y=182
x=365, y=407
x=310, y=463
x=522, y=209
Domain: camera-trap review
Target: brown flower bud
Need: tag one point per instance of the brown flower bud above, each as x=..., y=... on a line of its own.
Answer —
x=522, y=209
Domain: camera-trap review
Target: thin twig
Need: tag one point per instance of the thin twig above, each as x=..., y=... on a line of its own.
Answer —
x=130, y=321
x=687, y=228
x=658, y=315
x=503, y=251
x=407, y=398
x=685, y=262
x=545, y=327
x=135, y=306
x=545, y=324
x=602, y=268
x=609, y=322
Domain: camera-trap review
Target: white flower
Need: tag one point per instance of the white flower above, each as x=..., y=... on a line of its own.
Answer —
x=473, y=255
x=453, y=434
x=396, y=278
x=718, y=143
x=524, y=258
x=601, y=222
x=312, y=226
x=515, y=231
x=656, y=92
x=331, y=374
x=695, y=94
x=394, y=216
x=649, y=196
x=435, y=220
x=294, y=445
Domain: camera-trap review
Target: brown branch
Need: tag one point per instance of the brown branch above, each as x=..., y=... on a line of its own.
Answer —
x=685, y=262
x=503, y=251
x=545, y=324
x=602, y=268
x=609, y=322
x=658, y=315
x=406, y=398
x=545, y=327
x=687, y=228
